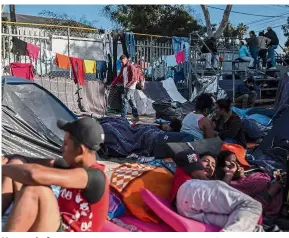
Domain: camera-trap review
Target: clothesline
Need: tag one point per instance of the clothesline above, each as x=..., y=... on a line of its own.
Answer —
x=79, y=66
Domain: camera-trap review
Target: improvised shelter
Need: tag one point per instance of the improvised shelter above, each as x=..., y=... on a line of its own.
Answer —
x=29, y=116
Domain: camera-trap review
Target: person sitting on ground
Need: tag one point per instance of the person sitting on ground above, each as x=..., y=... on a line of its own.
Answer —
x=196, y=123
x=273, y=45
x=257, y=184
x=263, y=43
x=244, y=54
x=83, y=202
x=210, y=201
x=246, y=93
x=253, y=47
x=228, y=125
x=210, y=53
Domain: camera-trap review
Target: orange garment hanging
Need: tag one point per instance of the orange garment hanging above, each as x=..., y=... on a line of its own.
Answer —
x=62, y=61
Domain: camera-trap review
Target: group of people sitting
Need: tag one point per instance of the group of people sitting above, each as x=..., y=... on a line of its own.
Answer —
x=258, y=47
x=225, y=123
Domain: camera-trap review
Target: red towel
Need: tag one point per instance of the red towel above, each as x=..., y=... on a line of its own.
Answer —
x=180, y=57
x=22, y=70
x=32, y=51
x=77, y=66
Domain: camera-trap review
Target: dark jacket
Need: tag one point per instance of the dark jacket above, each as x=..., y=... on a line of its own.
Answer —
x=232, y=128
x=211, y=45
x=242, y=89
x=273, y=37
x=253, y=43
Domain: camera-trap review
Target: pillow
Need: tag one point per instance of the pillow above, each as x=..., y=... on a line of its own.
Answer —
x=179, y=223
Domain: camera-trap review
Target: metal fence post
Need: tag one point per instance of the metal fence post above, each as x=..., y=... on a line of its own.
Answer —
x=233, y=72
x=190, y=69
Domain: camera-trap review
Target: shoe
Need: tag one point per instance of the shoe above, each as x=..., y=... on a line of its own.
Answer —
x=135, y=119
x=272, y=68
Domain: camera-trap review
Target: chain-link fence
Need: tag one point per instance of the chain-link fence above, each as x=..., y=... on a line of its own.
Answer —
x=83, y=43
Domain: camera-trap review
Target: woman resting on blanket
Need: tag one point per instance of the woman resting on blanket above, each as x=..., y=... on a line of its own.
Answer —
x=210, y=201
x=257, y=184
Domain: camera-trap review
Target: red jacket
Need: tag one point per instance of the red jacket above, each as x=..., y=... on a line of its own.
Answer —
x=130, y=73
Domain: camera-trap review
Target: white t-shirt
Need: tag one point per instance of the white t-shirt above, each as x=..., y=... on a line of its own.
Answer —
x=125, y=79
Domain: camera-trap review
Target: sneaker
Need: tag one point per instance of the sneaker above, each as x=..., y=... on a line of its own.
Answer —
x=272, y=68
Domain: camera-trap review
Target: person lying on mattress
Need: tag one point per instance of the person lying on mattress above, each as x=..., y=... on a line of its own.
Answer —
x=256, y=184
x=196, y=123
x=210, y=201
x=83, y=201
x=227, y=124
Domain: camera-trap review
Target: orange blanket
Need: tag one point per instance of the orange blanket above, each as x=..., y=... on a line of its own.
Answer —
x=129, y=179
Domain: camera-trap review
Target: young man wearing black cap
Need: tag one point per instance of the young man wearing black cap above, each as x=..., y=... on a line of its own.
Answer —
x=83, y=201
x=210, y=201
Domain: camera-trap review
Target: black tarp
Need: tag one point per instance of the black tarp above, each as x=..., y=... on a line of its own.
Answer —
x=29, y=115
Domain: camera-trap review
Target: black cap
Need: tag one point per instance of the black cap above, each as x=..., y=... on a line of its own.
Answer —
x=86, y=130
x=188, y=160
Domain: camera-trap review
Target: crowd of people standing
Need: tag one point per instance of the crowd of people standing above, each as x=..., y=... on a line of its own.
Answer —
x=262, y=46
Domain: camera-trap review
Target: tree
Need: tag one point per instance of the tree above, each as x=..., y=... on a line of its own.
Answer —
x=223, y=24
x=285, y=29
x=235, y=32
x=62, y=19
x=166, y=20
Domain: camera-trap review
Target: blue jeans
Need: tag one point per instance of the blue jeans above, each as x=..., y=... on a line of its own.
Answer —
x=271, y=54
x=128, y=99
x=181, y=43
x=254, y=53
x=130, y=43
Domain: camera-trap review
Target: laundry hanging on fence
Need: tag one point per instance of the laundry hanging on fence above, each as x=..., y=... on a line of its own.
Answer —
x=101, y=69
x=19, y=46
x=77, y=66
x=181, y=43
x=32, y=51
x=49, y=55
x=130, y=43
x=22, y=70
x=170, y=60
x=90, y=66
x=62, y=61
x=180, y=57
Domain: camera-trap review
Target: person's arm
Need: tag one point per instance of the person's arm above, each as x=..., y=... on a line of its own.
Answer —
x=207, y=128
x=234, y=127
x=48, y=162
x=115, y=81
x=34, y=174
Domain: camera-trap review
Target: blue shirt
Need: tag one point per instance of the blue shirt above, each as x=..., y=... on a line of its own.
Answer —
x=243, y=51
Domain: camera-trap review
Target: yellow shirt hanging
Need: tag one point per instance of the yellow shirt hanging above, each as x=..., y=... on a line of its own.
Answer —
x=90, y=66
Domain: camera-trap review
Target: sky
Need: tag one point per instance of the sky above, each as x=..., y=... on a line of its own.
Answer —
x=256, y=23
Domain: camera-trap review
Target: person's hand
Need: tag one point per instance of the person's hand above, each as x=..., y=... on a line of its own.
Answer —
x=4, y=160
